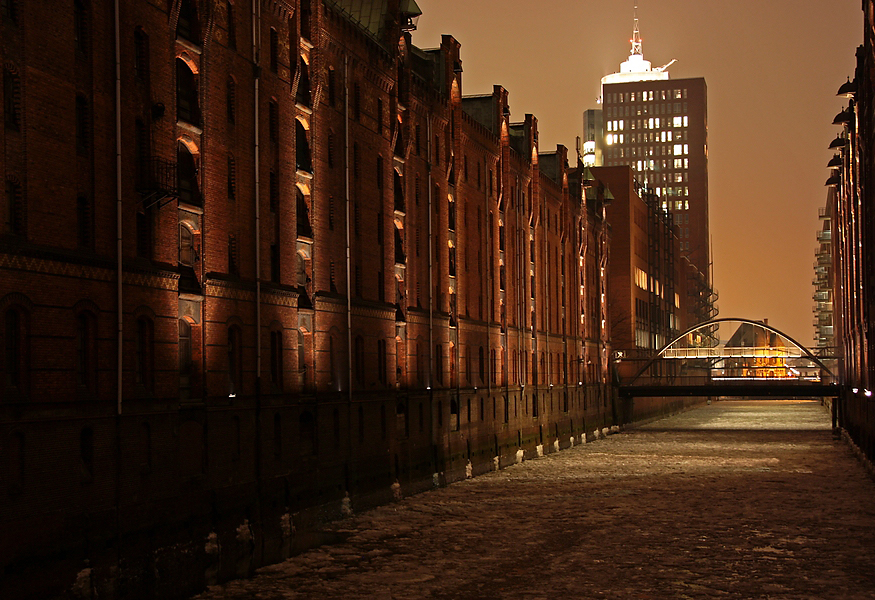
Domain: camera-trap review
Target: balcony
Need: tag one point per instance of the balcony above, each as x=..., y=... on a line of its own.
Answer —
x=156, y=181
x=824, y=235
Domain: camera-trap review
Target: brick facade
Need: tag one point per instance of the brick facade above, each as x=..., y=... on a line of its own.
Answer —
x=335, y=272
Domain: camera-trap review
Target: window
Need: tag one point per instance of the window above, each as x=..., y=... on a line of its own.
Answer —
x=15, y=363
x=302, y=95
x=273, y=192
x=302, y=149
x=80, y=26
x=332, y=87
x=302, y=215
x=144, y=233
x=277, y=436
x=400, y=258
x=9, y=10
x=187, y=255
x=359, y=359
x=144, y=358
x=235, y=360
x=231, y=100
x=86, y=372
x=184, y=348
x=82, y=124
x=381, y=361
x=307, y=433
x=13, y=209
x=357, y=102
x=275, y=270
x=86, y=454
x=187, y=107
x=273, y=121
x=439, y=363
x=232, y=25
x=330, y=149
x=233, y=258
x=141, y=54
x=11, y=100
x=84, y=222
x=306, y=15
x=232, y=178
x=188, y=25
x=186, y=175
x=274, y=50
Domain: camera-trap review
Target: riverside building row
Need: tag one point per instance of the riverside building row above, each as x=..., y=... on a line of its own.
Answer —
x=271, y=259
x=851, y=235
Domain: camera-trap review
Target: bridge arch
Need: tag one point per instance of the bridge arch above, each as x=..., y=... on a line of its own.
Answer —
x=706, y=324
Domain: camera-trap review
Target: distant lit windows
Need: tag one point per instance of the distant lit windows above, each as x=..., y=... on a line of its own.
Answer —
x=678, y=121
x=678, y=149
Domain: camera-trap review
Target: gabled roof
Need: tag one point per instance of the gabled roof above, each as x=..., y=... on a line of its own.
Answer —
x=370, y=15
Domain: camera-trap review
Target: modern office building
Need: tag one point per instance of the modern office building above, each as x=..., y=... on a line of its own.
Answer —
x=659, y=127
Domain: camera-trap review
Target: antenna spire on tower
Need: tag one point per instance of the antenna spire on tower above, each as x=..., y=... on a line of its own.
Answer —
x=636, y=35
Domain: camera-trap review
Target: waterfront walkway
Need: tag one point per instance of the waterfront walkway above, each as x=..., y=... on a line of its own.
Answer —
x=732, y=500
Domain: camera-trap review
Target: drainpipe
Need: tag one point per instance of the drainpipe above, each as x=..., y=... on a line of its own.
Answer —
x=118, y=225
x=430, y=263
x=118, y=210
x=347, y=203
x=256, y=60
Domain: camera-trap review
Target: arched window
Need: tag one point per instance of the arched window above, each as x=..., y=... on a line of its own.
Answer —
x=184, y=357
x=186, y=176
x=302, y=95
x=187, y=106
x=303, y=160
x=186, y=245
x=482, y=366
x=301, y=270
x=302, y=362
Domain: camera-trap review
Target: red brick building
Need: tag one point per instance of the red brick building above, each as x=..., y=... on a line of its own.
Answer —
x=242, y=277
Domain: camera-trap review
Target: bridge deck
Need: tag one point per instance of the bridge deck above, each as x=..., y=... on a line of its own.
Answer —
x=790, y=389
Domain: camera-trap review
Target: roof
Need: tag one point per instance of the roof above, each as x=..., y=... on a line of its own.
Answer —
x=370, y=15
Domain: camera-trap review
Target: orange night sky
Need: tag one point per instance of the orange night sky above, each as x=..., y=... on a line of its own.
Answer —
x=772, y=70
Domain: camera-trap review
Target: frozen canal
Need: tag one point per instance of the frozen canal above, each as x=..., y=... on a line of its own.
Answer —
x=735, y=500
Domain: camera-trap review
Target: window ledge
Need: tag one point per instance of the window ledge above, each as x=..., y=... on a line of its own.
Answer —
x=188, y=45
x=198, y=210
x=189, y=127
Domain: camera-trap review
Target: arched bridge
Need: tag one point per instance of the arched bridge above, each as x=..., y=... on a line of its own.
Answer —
x=750, y=358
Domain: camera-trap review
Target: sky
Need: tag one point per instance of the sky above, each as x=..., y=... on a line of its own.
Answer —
x=772, y=69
